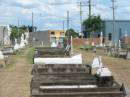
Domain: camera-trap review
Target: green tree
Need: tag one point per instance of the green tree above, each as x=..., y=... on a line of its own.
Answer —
x=16, y=33
x=71, y=32
x=92, y=24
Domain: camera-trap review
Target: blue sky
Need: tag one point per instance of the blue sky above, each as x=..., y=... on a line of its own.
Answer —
x=47, y=15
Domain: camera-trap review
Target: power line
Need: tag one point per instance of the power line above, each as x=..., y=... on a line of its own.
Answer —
x=59, y=3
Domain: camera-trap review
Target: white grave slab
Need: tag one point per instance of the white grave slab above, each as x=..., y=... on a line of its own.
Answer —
x=68, y=86
x=77, y=59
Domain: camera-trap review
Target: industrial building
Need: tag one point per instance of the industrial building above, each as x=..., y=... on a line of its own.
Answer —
x=46, y=37
x=122, y=28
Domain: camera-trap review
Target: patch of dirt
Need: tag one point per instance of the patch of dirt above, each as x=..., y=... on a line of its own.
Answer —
x=15, y=81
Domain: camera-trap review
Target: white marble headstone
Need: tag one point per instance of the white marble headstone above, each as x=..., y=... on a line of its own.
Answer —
x=96, y=63
x=1, y=55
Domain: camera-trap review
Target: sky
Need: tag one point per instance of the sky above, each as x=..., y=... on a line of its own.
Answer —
x=50, y=14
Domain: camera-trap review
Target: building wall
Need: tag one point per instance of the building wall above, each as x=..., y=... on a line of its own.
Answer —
x=58, y=33
x=56, y=36
x=46, y=37
x=121, y=28
x=40, y=38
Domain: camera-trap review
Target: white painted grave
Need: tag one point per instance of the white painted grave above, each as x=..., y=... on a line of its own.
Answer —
x=77, y=59
x=100, y=70
x=68, y=86
x=103, y=72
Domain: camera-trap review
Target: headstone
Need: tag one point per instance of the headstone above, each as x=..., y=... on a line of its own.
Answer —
x=93, y=44
x=128, y=55
x=22, y=43
x=16, y=46
x=1, y=55
x=101, y=39
x=42, y=43
x=96, y=63
x=126, y=34
x=119, y=45
x=53, y=44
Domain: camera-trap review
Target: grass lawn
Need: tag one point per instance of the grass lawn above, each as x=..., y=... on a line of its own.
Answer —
x=26, y=53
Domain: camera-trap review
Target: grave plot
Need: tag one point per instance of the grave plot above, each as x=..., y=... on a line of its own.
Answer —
x=55, y=81
x=118, y=52
x=8, y=51
x=60, y=69
x=51, y=52
x=73, y=80
x=55, y=56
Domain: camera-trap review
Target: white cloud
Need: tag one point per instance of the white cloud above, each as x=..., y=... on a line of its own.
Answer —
x=22, y=9
x=25, y=11
x=127, y=8
x=25, y=2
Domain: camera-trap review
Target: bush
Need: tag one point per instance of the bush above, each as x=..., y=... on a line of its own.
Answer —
x=87, y=47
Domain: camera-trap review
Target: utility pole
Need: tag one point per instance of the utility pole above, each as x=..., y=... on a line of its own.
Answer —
x=90, y=10
x=18, y=32
x=89, y=4
x=113, y=8
x=81, y=18
x=32, y=22
x=68, y=23
x=81, y=12
x=63, y=26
